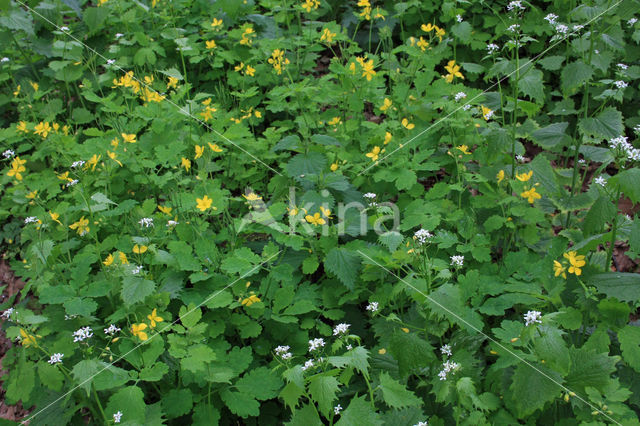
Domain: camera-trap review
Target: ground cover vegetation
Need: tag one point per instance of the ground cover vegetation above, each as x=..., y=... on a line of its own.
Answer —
x=321, y=212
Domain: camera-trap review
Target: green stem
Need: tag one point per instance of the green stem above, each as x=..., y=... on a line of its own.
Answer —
x=614, y=231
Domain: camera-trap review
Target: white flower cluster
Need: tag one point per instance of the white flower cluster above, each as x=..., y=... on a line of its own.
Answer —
x=118, y=35
x=55, y=358
x=117, y=416
x=448, y=367
x=513, y=28
x=516, y=4
x=457, y=260
x=631, y=22
x=488, y=115
x=492, y=48
x=551, y=18
x=337, y=409
x=5, y=59
x=371, y=198
x=422, y=424
x=622, y=145
x=72, y=182
x=30, y=219
x=172, y=222
x=82, y=334
x=372, y=307
x=308, y=364
x=315, y=344
x=532, y=317
x=562, y=29
x=8, y=153
x=341, y=329
x=600, y=180
x=637, y=129
x=7, y=314
x=111, y=330
x=622, y=66
x=283, y=352
x=446, y=350
x=78, y=163
x=422, y=235
x=146, y=222
x=521, y=158
x=460, y=95
x=137, y=270
x=620, y=84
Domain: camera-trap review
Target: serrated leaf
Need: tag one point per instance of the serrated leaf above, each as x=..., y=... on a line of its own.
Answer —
x=607, y=125
x=627, y=181
x=177, y=402
x=359, y=412
x=411, y=351
x=323, y=390
x=447, y=302
x=629, y=338
x=391, y=239
x=130, y=402
x=395, y=394
x=241, y=404
x=574, y=75
x=261, y=383
x=589, y=368
x=550, y=136
x=601, y=212
x=135, y=289
x=291, y=394
x=531, y=390
x=531, y=85
x=312, y=163
x=344, y=264
x=310, y=265
x=406, y=178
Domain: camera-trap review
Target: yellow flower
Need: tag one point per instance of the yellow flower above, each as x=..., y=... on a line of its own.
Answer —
x=524, y=176
x=310, y=4
x=204, y=203
x=500, y=176
x=136, y=330
x=382, y=351
x=123, y=258
x=34, y=85
x=250, y=71
x=56, y=127
x=405, y=329
x=43, y=129
x=186, y=163
x=113, y=156
x=367, y=70
x=127, y=137
x=55, y=217
x=22, y=127
x=439, y=32
x=148, y=79
x=173, y=82
x=559, y=269
x=81, y=226
x=366, y=9
x=427, y=28
x=250, y=300
x=17, y=167
x=454, y=71
x=374, y=153
x=576, y=262
x=407, y=125
x=387, y=137
x=108, y=261
x=257, y=113
x=32, y=195
x=64, y=176
x=246, y=36
x=423, y=44
x=93, y=161
x=154, y=318
x=386, y=104
x=165, y=209
x=464, y=149
x=378, y=14
x=17, y=91
x=326, y=212
x=115, y=142
x=211, y=44
x=486, y=113
x=139, y=249
x=531, y=195
x=327, y=36
x=334, y=121
x=65, y=130
x=199, y=151
x=252, y=197
x=334, y=167
x=28, y=339
x=315, y=219
x=216, y=24
x=214, y=147
x=278, y=60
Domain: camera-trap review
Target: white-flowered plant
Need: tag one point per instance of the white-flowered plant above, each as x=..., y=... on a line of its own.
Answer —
x=55, y=358
x=532, y=317
x=111, y=330
x=459, y=96
x=372, y=307
x=341, y=329
x=457, y=260
x=117, y=417
x=283, y=352
x=146, y=222
x=445, y=350
x=600, y=180
x=82, y=334
x=421, y=236
x=316, y=344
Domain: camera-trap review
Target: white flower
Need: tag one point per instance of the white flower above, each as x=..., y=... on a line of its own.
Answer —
x=422, y=235
x=172, y=223
x=532, y=317
x=460, y=95
x=307, y=365
x=111, y=330
x=600, y=180
x=78, y=163
x=111, y=61
x=622, y=66
x=5, y=59
x=466, y=107
x=55, y=358
x=7, y=314
x=315, y=344
x=621, y=142
x=632, y=21
x=562, y=28
x=370, y=195
x=457, y=260
x=577, y=28
x=30, y=219
x=521, y=158
x=422, y=424
x=72, y=183
x=596, y=51
x=117, y=416
x=445, y=350
x=118, y=35
x=443, y=375
x=69, y=317
x=492, y=48
x=448, y=367
x=137, y=270
x=82, y=334
x=620, y=84
x=337, y=409
x=551, y=18
x=64, y=28
x=349, y=347
x=513, y=28
x=146, y=222
x=516, y=4
x=341, y=329
x=459, y=18
x=8, y=153
x=582, y=161
x=488, y=115
x=283, y=352
x=372, y=307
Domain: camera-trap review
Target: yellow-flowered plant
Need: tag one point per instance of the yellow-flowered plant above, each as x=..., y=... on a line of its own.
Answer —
x=278, y=61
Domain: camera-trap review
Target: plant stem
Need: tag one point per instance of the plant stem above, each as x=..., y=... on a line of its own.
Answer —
x=614, y=230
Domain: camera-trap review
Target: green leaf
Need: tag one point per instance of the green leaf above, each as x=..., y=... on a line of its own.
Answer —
x=589, y=368
x=531, y=85
x=291, y=394
x=291, y=142
x=199, y=356
x=457, y=312
x=544, y=173
x=552, y=63
x=622, y=285
x=629, y=338
x=310, y=265
x=531, y=390
x=241, y=262
x=359, y=412
x=323, y=390
x=189, y=316
x=325, y=140
x=601, y=212
x=391, y=239
x=575, y=75
x=130, y=402
x=305, y=416
x=344, y=264
x=550, y=136
x=312, y=163
x=177, y=402
x=410, y=350
x=154, y=373
x=627, y=181
x=80, y=306
x=183, y=254
x=261, y=383
x=50, y=375
x=406, y=178
x=607, y=125
x=94, y=18
x=463, y=31
x=551, y=347
x=135, y=289
x=241, y=404
x=395, y=394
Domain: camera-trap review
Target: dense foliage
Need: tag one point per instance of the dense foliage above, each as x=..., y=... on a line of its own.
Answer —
x=321, y=212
